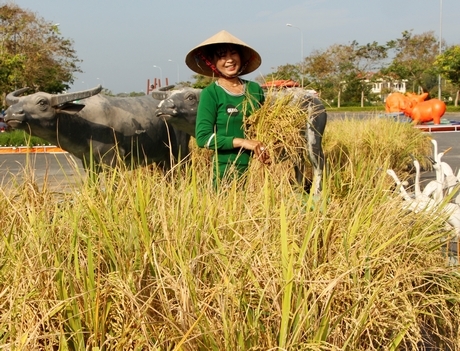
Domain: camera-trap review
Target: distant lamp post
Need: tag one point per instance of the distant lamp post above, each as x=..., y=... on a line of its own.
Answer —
x=440, y=46
x=161, y=72
x=301, y=48
x=178, y=80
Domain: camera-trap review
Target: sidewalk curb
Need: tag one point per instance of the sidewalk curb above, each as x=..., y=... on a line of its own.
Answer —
x=33, y=149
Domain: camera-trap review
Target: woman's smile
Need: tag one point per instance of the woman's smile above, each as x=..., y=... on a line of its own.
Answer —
x=228, y=62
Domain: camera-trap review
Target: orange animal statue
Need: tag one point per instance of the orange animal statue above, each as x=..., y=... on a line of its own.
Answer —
x=398, y=102
x=426, y=111
x=416, y=99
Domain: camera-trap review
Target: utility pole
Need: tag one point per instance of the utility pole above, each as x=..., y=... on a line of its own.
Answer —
x=440, y=48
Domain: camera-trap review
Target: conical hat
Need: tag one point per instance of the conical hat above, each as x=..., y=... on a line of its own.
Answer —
x=250, y=59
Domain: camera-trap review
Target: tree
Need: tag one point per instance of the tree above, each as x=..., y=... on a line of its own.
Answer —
x=284, y=72
x=33, y=53
x=329, y=68
x=368, y=61
x=448, y=65
x=321, y=71
x=413, y=59
x=287, y=72
x=201, y=81
x=345, y=67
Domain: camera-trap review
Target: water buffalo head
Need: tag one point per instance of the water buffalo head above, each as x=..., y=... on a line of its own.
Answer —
x=179, y=107
x=41, y=107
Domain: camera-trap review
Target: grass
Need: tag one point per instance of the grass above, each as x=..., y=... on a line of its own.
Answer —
x=451, y=108
x=20, y=138
x=155, y=262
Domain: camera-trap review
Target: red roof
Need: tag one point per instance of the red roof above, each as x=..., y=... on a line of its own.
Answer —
x=283, y=83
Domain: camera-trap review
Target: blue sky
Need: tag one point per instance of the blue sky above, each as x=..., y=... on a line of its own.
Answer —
x=120, y=41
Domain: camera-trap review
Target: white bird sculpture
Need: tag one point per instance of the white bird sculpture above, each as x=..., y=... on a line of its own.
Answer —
x=416, y=204
x=431, y=198
x=444, y=172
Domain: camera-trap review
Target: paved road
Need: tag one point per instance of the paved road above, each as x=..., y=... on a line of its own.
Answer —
x=446, y=140
x=61, y=170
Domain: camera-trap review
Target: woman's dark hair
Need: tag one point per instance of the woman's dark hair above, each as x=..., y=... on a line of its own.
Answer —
x=220, y=48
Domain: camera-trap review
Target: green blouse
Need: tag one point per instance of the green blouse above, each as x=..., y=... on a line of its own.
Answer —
x=220, y=119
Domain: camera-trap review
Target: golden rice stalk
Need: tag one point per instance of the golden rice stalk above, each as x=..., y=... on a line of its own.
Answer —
x=279, y=124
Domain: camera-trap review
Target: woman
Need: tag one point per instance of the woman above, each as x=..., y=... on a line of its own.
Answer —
x=226, y=102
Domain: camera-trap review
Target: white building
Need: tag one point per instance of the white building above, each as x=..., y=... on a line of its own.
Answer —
x=387, y=87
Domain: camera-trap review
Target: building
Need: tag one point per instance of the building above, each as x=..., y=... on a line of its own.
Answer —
x=383, y=87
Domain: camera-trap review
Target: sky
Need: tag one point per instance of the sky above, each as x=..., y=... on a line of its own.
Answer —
x=124, y=43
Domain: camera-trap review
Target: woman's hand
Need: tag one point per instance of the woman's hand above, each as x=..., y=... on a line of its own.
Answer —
x=260, y=151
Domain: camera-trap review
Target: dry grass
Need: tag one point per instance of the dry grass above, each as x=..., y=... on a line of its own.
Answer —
x=348, y=143
x=278, y=124
x=167, y=263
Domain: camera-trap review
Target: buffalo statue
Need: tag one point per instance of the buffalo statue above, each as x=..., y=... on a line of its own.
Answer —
x=426, y=111
x=179, y=107
x=98, y=129
x=398, y=102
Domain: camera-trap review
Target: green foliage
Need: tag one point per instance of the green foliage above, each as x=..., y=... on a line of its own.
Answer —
x=20, y=138
x=414, y=55
x=355, y=88
x=185, y=84
x=452, y=108
x=201, y=81
x=11, y=67
x=354, y=67
x=345, y=68
x=284, y=72
x=448, y=65
x=33, y=53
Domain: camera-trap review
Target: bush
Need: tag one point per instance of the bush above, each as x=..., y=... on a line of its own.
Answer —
x=452, y=108
x=20, y=138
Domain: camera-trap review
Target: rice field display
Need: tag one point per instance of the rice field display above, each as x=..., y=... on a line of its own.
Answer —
x=141, y=260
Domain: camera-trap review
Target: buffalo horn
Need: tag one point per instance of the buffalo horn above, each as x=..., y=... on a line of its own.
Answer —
x=12, y=97
x=162, y=93
x=63, y=98
x=157, y=95
x=166, y=88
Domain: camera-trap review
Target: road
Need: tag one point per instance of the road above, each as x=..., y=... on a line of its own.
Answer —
x=59, y=171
